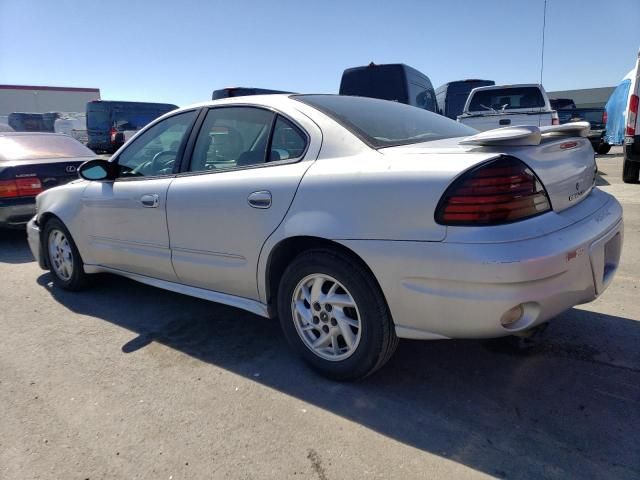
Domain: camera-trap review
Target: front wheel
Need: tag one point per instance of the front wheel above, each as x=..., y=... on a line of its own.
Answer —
x=334, y=315
x=63, y=258
x=630, y=171
x=603, y=149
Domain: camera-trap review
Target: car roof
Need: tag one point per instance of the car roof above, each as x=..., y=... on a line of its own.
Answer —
x=244, y=99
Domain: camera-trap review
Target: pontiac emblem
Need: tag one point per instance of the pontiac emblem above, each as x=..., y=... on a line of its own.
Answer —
x=70, y=169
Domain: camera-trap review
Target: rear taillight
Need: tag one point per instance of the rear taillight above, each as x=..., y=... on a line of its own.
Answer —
x=20, y=187
x=500, y=191
x=112, y=134
x=604, y=117
x=555, y=119
x=632, y=116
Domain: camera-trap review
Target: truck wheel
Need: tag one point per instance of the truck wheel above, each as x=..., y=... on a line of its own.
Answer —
x=630, y=171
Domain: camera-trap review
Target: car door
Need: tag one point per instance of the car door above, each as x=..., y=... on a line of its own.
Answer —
x=125, y=219
x=245, y=168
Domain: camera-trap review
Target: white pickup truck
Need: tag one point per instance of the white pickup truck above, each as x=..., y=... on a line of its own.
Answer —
x=508, y=106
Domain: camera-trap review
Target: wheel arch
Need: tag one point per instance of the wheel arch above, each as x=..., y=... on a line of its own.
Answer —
x=289, y=248
x=42, y=221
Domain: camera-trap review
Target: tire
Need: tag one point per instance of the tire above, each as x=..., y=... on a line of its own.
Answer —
x=372, y=340
x=630, y=171
x=603, y=149
x=65, y=265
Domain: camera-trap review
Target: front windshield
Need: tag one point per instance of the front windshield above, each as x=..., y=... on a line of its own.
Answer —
x=381, y=123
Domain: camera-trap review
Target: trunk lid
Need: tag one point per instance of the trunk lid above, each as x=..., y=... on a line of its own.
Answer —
x=566, y=168
x=560, y=155
x=50, y=172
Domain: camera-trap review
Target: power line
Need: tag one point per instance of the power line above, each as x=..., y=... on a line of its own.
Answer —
x=544, y=24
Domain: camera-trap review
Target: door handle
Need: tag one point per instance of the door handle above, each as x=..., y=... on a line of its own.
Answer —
x=150, y=200
x=261, y=199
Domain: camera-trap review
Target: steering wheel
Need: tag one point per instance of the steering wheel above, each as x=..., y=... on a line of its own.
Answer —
x=156, y=165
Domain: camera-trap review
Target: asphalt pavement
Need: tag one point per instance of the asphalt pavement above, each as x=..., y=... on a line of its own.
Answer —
x=126, y=381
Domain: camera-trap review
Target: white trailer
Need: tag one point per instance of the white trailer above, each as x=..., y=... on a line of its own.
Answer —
x=39, y=99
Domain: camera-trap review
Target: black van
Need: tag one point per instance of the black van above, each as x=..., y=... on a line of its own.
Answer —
x=394, y=81
x=452, y=96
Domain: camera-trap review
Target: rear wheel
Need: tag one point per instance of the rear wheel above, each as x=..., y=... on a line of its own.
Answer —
x=603, y=149
x=630, y=171
x=334, y=315
x=63, y=258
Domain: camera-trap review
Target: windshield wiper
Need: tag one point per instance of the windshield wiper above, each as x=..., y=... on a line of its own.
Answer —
x=488, y=108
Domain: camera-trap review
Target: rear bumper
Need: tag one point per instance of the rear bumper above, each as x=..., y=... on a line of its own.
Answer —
x=101, y=145
x=632, y=149
x=462, y=290
x=16, y=212
x=596, y=138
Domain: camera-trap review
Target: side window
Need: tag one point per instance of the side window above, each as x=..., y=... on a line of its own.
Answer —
x=232, y=137
x=155, y=151
x=287, y=142
x=423, y=97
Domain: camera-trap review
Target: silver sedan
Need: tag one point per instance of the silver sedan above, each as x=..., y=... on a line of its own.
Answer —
x=355, y=221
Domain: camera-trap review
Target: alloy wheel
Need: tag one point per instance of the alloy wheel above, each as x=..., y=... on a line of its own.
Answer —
x=326, y=317
x=60, y=255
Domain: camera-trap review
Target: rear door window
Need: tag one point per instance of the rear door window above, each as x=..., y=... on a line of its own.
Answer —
x=232, y=137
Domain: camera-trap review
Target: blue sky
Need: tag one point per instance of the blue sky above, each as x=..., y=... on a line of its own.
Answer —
x=179, y=51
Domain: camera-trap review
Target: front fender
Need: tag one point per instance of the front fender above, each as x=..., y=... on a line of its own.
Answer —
x=65, y=203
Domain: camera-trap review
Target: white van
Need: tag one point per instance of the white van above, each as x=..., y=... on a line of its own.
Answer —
x=631, y=166
x=508, y=106
x=74, y=127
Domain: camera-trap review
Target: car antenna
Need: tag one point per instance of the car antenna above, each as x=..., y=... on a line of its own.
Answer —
x=544, y=24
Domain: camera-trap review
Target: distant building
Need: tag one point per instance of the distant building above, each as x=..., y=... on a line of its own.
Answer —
x=585, y=97
x=38, y=99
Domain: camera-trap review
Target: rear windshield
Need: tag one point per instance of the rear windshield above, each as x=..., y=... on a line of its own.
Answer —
x=457, y=94
x=381, y=123
x=386, y=82
x=134, y=120
x=33, y=147
x=506, y=98
x=577, y=115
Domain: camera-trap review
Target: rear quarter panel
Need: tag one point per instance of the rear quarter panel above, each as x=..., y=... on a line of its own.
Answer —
x=369, y=196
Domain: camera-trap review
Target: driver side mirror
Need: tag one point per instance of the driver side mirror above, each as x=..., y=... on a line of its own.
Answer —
x=97, y=169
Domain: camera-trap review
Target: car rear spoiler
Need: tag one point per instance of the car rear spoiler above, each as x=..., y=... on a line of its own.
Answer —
x=526, y=135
